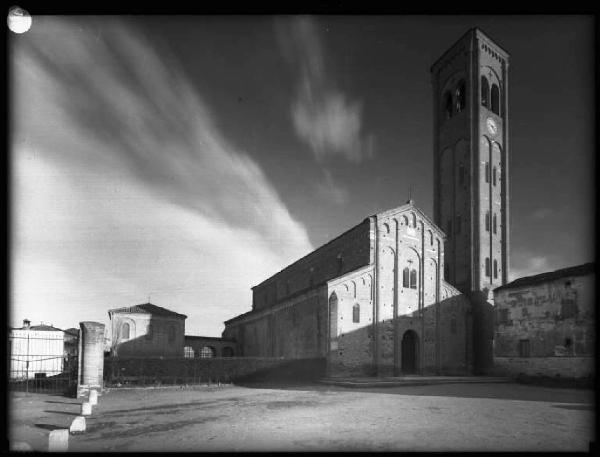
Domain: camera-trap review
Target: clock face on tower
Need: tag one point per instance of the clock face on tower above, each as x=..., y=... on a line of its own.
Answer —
x=491, y=126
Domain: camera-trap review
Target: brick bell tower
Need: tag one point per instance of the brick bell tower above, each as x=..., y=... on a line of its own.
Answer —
x=470, y=93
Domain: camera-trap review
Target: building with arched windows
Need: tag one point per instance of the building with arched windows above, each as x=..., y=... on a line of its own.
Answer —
x=400, y=292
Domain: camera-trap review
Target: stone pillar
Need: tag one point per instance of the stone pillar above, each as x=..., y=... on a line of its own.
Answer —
x=91, y=357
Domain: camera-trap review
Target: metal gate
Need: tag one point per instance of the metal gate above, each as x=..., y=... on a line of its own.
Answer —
x=39, y=364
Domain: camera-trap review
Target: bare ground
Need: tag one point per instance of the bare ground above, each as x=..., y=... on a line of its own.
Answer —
x=450, y=417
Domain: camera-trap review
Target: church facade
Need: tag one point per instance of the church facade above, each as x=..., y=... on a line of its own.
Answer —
x=400, y=292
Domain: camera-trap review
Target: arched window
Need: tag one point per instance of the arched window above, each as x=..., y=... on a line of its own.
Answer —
x=333, y=318
x=461, y=99
x=430, y=237
x=413, y=279
x=208, y=352
x=356, y=313
x=495, y=102
x=487, y=221
x=171, y=333
x=227, y=352
x=406, y=278
x=447, y=105
x=125, y=331
x=386, y=229
x=485, y=92
x=487, y=266
x=414, y=220
x=494, y=178
x=495, y=268
x=487, y=172
x=188, y=352
x=404, y=220
x=494, y=224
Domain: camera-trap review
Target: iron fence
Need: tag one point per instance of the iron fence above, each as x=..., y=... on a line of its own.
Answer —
x=38, y=364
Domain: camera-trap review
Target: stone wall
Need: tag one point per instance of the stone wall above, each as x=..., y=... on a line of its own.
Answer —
x=554, y=318
x=132, y=371
x=565, y=367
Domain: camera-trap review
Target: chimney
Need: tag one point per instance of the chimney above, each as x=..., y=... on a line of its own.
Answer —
x=26, y=323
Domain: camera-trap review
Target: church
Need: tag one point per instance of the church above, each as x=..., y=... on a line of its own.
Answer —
x=402, y=291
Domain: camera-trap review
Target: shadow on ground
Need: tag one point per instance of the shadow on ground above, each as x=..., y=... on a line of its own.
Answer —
x=500, y=391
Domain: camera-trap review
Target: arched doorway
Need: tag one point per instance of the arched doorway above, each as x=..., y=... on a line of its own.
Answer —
x=410, y=352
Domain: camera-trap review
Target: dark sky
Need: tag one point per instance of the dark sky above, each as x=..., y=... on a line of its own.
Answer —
x=286, y=130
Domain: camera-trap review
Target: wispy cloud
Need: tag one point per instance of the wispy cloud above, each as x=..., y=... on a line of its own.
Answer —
x=125, y=186
x=324, y=117
x=332, y=191
x=528, y=266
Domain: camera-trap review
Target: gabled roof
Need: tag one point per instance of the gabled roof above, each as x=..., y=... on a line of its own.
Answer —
x=410, y=206
x=44, y=328
x=579, y=270
x=146, y=308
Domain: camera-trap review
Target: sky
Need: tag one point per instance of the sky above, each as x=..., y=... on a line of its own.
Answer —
x=182, y=160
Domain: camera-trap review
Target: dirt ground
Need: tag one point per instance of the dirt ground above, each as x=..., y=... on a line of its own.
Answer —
x=450, y=417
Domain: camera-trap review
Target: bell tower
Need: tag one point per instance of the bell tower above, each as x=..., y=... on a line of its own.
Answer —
x=471, y=161
x=470, y=93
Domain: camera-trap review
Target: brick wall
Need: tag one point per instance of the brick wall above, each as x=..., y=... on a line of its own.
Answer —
x=352, y=247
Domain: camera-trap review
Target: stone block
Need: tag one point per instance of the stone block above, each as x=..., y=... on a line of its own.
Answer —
x=78, y=425
x=58, y=440
x=86, y=409
x=93, y=397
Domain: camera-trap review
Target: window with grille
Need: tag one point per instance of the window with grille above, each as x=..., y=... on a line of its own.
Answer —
x=188, y=352
x=207, y=352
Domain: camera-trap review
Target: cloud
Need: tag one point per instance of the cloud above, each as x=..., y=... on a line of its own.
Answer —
x=323, y=116
x=542, y=213
x=332, y=191
x=528, y=266
x=124, y=185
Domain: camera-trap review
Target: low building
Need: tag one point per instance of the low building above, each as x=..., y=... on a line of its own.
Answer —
x=36, y=351
x=544, y=324
x=207, y=347
x=146, y=330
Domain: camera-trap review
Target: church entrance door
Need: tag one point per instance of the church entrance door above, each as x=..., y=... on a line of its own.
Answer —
x=410, y=351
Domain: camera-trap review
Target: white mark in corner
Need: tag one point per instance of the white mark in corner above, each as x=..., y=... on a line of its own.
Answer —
x=19, y=20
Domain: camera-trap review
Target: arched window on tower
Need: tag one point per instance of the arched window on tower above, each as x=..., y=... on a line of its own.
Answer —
x=487, y=221
x=487, y=172
x=495, y=269
x=447, y=105
x=356, y=313
x=495, y=102
x=406, y=278
x=487, y=266
x=494, y=176
x=494, y=224
x=485, y=92
x=413, y=279
x=461, y=99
